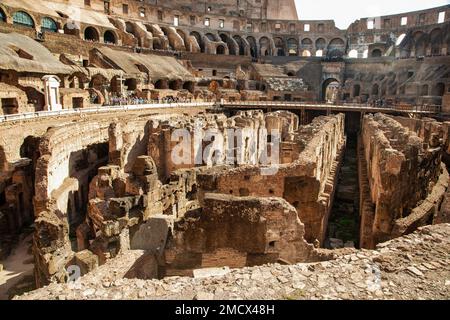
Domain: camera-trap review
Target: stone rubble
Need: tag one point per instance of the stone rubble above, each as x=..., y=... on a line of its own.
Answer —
x=416, y=266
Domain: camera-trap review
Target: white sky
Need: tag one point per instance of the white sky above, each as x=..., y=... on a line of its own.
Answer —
x=344, y=12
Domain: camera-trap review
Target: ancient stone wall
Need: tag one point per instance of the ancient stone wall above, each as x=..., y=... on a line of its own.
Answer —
x=253, y=231
x=306, y=179
x=403, y=170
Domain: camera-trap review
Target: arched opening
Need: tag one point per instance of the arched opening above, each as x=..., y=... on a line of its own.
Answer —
x=321, y=44
x=211, y=37
x=131, y=84
x=109, y=37
x=253, y=47
x=420, y=43
x=71, y=29
x=356, y=90
x=161, y=84
x=175, y=85
x=438, y=90
x=306, y=53
x=77, y=81
x=353, y=54
x=23, y=19
x=183, y=36
x=189, y=86
x=49, y=25
x=319, y=53
x=199, y=40
x=279, y=47
x=241, y=45
x=91, y=34
x=265, y=48
x=376, y=53
x=220, y=49
x=307, y=46
x=330, y=90
x=424, y=90
x=2, y=15
x=98, y=82
x=336, y=48
x=436, y=42
x=226, y=39
x=116, y=86
x=129, y=28
x=292, y=45
x=375, y=89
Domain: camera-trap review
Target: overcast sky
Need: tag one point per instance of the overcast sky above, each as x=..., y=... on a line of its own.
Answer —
x=344, y=12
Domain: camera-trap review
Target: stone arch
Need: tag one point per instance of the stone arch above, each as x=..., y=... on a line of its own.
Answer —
x=307, y=43
x=265, y=47
x=109, y=37
x=77, y=80
x=438, y=89
x=375, y=89
x=336, y=48
x=321, y=44
x=49, y=25
x=131, y=84
x=330, y=84
x=161, y=84
x=176, y=85
x=131, y=29
x=420, y=43
x=23, y=18
x=91, y=34
x=280, y=48
x=376, y=53
x=71, y=29
x=229, y=42
x=185, y=38
x=189, y=86
x=98, y=81
x=253, y=46
x=220, y=49
x=241, y=44
x=211, y=37
x=436, y=39
x=3, y=16
x=199, y=39
x=306, y=53
x=292, y=45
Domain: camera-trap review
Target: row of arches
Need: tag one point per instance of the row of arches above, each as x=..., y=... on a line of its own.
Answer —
x=421, y=43
x=380, y=90
x=24, y=19
x=92, y=34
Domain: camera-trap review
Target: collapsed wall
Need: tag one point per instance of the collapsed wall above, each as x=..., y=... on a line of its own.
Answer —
x=406, y=180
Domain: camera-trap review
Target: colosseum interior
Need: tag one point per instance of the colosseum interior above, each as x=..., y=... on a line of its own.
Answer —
x=222, y=150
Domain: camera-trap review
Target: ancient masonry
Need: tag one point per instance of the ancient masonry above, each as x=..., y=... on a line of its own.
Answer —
x=222, y=151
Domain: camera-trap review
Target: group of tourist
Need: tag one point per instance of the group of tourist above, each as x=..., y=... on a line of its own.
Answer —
x=133, y=100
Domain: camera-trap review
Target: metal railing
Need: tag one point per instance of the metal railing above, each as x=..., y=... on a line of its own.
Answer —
x=356, y=106
x=429, y=109
x=102, y=109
